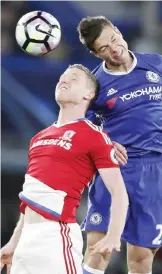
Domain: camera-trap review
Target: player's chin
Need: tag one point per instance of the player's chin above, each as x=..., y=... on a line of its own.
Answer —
x=62, y=99
x=59, y=98
x=117, y=63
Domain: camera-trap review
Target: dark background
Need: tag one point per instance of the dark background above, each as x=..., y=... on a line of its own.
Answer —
x=28, y=85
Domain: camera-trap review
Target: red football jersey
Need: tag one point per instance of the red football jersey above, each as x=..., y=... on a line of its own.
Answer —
x=62, y=161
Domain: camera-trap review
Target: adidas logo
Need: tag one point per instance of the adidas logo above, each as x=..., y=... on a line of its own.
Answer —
x=111, y=91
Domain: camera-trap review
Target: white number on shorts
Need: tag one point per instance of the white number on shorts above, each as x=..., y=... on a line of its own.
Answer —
x=158, y=239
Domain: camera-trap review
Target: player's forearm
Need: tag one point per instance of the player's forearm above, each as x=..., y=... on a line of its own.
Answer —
x=119, y=208
x=17, y=231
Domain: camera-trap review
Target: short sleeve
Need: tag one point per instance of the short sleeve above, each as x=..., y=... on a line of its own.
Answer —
x=102, y=151
x=155, y=60
x=160, y=64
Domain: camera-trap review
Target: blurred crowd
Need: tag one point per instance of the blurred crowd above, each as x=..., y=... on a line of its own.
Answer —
x=133, y=16
x=28, y=85
x=11, y=11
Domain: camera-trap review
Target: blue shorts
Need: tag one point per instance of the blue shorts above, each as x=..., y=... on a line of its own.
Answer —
x=143, y=180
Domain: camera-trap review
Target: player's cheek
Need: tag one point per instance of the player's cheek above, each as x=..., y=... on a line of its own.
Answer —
x=56, y=88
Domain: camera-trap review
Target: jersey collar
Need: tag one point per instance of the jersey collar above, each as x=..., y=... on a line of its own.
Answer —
x=121, y=72
x=71, y=122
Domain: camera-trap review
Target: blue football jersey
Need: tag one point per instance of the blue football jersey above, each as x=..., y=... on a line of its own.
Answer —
x=129, y=105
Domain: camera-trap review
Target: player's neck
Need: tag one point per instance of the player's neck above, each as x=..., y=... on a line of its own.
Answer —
x=123, y=67
x=68, y=114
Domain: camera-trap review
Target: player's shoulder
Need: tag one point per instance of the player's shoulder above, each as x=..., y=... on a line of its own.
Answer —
x=98, y=70
x=97, y=131
x=40, y=133
x=91, y=126
x=154, y=58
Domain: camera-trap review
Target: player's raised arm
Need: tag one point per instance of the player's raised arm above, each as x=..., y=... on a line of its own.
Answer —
x=8, y=250
x=103, y=155
x=119, y=206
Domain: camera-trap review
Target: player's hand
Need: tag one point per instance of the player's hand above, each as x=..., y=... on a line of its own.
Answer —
x=106, y=245
x=121, y=153
x=6, y=255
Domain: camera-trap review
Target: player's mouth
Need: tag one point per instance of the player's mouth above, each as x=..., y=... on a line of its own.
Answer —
x=63, y=88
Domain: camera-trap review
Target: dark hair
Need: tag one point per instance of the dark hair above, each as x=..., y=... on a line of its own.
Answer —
x=90, y=28
x=91, y=77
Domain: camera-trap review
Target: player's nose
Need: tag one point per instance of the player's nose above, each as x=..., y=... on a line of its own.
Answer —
x=113, y=49
x=63, y=82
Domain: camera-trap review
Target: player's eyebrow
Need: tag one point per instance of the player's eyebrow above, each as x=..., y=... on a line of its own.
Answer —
x=75, y=74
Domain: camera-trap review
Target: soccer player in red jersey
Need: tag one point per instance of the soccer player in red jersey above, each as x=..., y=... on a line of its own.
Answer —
x=62, y=160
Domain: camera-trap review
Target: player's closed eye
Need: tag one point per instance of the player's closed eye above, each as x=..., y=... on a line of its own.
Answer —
x=103, y=49
x=63, y=79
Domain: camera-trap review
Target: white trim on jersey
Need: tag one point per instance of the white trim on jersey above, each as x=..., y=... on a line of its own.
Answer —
x=96, y=128
x=107, y=139
x=111, y=72
x=41, y=196
x=99, y=129
x=68, y=123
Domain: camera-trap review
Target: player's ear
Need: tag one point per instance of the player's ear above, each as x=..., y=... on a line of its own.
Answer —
x=94, y=53
x=90, y=95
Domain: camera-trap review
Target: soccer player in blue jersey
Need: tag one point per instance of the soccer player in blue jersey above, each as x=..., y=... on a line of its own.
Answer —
x=129, y=106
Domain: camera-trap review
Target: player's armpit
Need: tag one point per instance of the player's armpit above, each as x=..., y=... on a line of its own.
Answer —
x=113, y=180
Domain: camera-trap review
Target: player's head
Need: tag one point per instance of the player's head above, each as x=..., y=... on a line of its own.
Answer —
x=77, y=86
x=103, y=39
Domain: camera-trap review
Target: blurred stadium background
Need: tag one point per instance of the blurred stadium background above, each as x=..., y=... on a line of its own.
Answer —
x=28, y=85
